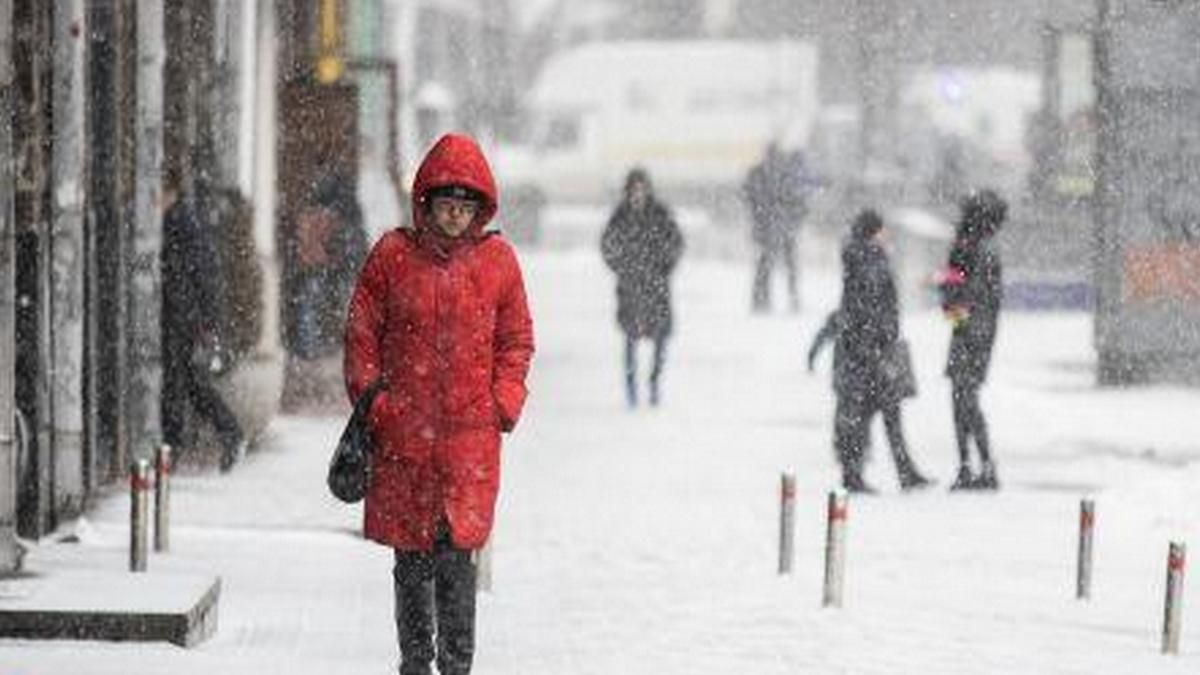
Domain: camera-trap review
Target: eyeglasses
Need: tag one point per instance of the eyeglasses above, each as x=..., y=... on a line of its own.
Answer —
x=451, y=206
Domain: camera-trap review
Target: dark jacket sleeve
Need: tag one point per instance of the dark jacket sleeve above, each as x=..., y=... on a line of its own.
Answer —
x=673, y=246
x=196, y=268
x=986, y=294
x=829, y=331
x=612, y=244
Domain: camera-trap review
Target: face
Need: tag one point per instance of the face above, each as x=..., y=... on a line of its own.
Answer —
x=166, y=198
x=884, y=238
x=453, y=216
x=637, y=194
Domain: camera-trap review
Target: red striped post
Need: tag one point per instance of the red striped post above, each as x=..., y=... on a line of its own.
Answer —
x=1173, y=610
x=139, y=514
x=162, y=498
x=1083, y=577
x=835, y=549
x=787, y=519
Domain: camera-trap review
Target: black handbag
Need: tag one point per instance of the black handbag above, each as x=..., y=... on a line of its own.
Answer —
x=351, y=463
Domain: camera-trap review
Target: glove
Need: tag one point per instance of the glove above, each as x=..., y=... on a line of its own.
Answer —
x=957, y=315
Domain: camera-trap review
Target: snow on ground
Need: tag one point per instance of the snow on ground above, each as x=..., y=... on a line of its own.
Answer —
x=644, y=542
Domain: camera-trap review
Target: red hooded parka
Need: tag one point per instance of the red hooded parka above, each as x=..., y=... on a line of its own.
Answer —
x=446, y=323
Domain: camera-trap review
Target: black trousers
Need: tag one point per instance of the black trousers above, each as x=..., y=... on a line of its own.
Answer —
x=852, y=431
x=435, y=601
x=631, y=367
x=784, y=248
x=182, y=386
x=969, y=423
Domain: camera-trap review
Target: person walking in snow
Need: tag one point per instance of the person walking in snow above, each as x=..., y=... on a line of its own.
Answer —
x=971, y=294
x=191, y=321
x=774, y=192
x=439, y=314
x=867, y=326
x=642, y=246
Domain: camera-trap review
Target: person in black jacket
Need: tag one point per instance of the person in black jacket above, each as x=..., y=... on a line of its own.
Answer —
x=190, y=322
x=971, y=295
x=642, y=245
x=867, y=326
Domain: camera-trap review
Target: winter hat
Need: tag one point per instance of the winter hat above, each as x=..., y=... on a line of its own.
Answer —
x=637, y=175
x=866, y=224
x=982, y=213
x=456, y=192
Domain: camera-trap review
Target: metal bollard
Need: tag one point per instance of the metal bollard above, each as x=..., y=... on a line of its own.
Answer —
x=1173, y=611
x=162, y=498
x=483, y=567
x=835, y=549
x=1083, y=570
x=787, y=519
x=139, y=514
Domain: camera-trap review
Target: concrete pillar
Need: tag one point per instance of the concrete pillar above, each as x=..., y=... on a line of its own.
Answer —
x=104, y=351
x=229, y=23
x=144, y=282
x=68, y=163
x=9, y=552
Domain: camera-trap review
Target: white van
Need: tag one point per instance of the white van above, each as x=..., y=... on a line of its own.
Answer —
x=696, y=114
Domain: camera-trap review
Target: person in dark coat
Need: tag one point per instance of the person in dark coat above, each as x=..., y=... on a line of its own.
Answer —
x=971, y=294
x=348, y=243
x=331, y=245
x=774, y=191
x=190, y=322
x=868, y=330
x=642, y=244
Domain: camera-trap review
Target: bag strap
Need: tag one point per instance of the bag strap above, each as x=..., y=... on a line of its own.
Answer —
x=363, y=405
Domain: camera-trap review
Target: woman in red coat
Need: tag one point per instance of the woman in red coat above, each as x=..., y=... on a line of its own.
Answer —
x=439, y=312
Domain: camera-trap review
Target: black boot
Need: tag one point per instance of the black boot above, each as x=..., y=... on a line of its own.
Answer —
x=987, y=478
x=232, y=454
x=413, y=582
x=853, y=482
x=631, y=392
x=911, y=479
x=964, y=480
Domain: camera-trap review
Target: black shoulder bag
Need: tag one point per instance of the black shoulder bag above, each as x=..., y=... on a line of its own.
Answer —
x=351, y=461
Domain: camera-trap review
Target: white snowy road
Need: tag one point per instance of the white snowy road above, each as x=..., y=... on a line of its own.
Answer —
x=643, y=542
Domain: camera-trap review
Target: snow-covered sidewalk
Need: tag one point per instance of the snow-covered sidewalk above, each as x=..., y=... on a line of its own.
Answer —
x=643, y=542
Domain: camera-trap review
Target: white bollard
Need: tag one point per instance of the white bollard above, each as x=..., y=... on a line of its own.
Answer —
x=483, y=567
x=1083, y=573
x=139, y=514
x=787, y=519
x=835, y=549
x=1173, y=611
x=162, y=498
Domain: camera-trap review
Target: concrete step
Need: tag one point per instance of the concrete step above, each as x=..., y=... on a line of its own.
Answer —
x=113, y=606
